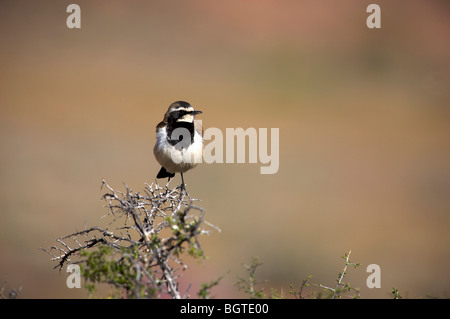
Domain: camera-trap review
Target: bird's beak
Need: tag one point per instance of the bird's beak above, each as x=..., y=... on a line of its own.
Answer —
x=196, y=112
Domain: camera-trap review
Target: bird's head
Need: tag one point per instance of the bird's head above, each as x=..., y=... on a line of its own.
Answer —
x=180, y=111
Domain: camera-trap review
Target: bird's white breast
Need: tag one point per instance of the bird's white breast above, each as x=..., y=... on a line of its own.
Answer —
x=176, y=160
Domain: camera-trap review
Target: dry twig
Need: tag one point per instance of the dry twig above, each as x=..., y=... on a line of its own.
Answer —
x=147, y=232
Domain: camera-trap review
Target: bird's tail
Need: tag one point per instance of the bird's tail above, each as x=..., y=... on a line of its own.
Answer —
x=164, y=174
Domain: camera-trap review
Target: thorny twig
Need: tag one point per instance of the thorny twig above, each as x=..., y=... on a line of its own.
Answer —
x=158, y=224
x=336, y=291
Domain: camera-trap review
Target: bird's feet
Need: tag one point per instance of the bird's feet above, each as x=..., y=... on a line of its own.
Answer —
x=183, y=191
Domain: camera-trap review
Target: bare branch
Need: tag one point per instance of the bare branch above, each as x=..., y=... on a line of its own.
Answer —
x=148, y=231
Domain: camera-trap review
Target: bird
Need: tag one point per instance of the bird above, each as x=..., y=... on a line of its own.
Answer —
x=179, y=141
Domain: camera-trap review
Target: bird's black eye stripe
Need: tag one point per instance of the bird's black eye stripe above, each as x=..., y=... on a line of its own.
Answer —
x=175, y=114
x=179, y=114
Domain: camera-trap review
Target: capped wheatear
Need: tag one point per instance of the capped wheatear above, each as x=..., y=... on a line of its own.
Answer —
x=179, y=141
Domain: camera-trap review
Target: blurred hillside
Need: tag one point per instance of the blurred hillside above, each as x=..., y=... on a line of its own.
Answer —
x=363, y=115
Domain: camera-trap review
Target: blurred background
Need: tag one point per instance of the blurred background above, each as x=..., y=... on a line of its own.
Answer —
x=364, y=125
